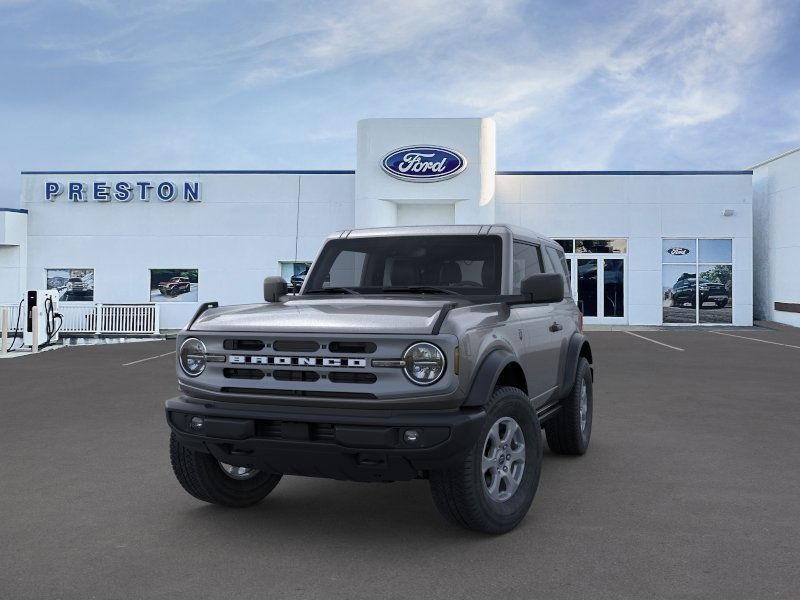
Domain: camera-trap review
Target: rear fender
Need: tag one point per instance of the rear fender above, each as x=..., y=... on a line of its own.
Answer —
x=577, y=344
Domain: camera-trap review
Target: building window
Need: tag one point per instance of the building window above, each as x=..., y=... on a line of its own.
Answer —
x=294, y=273
x=613, y=246
x=567, y=245
x=173, y=285
x=687, y=298
x=73, y=285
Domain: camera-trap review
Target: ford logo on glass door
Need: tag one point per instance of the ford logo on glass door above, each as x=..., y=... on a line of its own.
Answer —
x=423, y=163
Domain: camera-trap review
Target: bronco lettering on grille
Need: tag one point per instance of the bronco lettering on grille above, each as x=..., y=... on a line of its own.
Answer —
x=299, y=361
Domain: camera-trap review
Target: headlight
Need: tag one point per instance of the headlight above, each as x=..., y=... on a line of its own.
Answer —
x=424, y=363
x=192, y=357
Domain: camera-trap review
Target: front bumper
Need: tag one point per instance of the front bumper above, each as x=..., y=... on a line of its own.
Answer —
x=337, y=445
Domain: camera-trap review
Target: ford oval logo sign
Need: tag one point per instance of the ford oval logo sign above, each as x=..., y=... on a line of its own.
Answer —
x=423, y=163
x=678, y=251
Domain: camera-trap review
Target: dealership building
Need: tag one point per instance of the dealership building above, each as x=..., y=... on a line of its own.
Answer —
x=644, y=248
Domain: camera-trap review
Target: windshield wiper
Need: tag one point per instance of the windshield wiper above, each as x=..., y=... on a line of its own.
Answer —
x=332, y=290
x=419, y=289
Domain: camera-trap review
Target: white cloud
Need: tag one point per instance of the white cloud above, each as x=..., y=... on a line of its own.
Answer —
x=336, y=34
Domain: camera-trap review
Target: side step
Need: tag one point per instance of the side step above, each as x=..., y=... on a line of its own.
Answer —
x=548, y=411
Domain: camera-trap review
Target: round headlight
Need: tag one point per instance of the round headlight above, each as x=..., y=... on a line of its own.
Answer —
x=424, y=363
x=192, y=357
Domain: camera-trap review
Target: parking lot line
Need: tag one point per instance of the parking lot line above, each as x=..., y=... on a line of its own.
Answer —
x=756, y=340
x=141, y=360
x=654, y=341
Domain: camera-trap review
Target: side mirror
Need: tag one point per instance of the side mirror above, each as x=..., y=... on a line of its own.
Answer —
x=543, y=288
x=274, y=288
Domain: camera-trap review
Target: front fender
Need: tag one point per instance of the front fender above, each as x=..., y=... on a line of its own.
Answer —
x=486, y=376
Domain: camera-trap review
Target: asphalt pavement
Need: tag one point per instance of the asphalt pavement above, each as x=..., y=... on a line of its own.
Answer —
x=690, y=489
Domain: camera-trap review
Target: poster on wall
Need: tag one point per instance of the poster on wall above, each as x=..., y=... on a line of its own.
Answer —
x=73, y=285
x=173, y=285
x=294, y=273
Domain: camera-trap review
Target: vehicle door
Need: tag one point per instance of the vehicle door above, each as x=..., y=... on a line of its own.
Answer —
x=564, y=312
x=539, y=347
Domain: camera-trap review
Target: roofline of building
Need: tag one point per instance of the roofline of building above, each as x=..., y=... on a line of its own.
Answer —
x=781, y=155
x=24, y=211
x=740, y=172
x=342, y=172
x=198, y=172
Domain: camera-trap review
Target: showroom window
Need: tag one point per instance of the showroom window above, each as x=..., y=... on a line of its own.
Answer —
x=294, y=273
x=73, y=285
x=697, y=281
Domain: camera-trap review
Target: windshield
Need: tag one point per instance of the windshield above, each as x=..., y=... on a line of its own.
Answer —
x=464, y=264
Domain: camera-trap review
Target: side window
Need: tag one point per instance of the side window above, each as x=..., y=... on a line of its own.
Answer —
x=557, y=258
x=527, y=262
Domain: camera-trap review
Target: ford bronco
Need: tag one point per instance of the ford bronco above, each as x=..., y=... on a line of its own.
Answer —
x=433, y=352
x=175, y=286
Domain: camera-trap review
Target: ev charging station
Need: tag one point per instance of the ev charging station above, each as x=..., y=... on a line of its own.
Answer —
x=42, y=319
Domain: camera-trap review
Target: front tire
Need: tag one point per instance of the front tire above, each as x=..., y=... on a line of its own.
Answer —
x=492, y=487
x=569, y=431
x=209, y=480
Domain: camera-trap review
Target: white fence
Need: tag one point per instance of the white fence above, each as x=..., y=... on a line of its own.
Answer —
x=99, y=318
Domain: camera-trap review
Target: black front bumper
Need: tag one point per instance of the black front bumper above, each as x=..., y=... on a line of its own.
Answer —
x=354, y=446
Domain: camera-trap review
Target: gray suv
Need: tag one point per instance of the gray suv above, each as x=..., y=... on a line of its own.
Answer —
x=412, y=352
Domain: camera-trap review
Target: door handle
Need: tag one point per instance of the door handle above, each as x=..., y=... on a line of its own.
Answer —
x=555, y=327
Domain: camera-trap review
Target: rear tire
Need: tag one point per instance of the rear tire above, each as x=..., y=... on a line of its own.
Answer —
x=569, y=431
x=464, y=493
x=203, y=477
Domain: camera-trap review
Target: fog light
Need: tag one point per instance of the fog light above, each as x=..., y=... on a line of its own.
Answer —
x=196, y=423
x=411, y=436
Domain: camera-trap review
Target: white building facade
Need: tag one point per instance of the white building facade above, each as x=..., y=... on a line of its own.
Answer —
x=776, y=197
x=645, y=248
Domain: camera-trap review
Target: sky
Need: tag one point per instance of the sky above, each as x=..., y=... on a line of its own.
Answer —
x=247, y=84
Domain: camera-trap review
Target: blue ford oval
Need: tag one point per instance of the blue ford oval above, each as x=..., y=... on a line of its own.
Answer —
x=423, y=163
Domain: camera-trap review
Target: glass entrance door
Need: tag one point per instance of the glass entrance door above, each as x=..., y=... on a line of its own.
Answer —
x=598, y=283
x=597, y=270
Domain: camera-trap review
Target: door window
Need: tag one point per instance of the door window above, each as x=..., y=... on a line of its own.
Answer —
x=560, y=266
x=527, y=262
x=613, y=287
x=587, y=286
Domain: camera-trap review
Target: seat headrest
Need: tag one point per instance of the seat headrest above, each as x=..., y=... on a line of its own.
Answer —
x=450, y=273
x=404, y=272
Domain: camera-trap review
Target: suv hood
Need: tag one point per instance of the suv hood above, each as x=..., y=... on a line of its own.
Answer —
x=326, y=315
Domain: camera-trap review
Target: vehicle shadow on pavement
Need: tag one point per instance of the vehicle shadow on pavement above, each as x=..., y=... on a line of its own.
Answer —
x=346, y=512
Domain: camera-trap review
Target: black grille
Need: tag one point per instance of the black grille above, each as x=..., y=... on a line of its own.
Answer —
x=243, y=373
x=300, y=393
x=276, y=430
x=247, y=345
x=295, y=346
x=347, y=377
x=352, y=347
x=284, y=375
